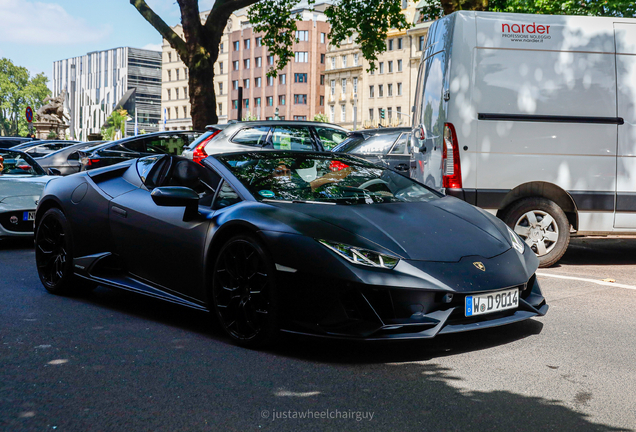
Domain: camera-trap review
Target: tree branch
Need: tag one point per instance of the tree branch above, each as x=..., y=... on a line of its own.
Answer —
x=160, y=25
x=222, y=10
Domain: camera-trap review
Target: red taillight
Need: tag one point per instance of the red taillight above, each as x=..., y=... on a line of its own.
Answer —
x=451, y=165
x=337, y=165
x=198, y=154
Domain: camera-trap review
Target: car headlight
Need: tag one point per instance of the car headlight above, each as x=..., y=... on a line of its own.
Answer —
x=361, y=256
x=517, y=243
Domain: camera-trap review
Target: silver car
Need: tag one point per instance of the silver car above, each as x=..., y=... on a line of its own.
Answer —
x=67, y=160
x=21, y=183
x=265, y=135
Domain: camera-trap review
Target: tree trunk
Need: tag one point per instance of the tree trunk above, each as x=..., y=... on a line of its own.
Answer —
x=202, y=94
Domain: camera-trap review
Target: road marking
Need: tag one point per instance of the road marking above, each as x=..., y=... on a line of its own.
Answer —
x=598, y=282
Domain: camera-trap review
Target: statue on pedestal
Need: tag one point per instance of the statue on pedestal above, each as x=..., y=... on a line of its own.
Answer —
x=50, y=118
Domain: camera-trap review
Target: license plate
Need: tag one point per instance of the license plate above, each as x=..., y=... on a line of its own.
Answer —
x=492, y=302
x=28, y=216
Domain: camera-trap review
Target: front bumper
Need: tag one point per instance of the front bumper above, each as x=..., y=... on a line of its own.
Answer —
x=20, y=229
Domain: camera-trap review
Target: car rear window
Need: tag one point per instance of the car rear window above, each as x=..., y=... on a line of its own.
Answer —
x=254, y=136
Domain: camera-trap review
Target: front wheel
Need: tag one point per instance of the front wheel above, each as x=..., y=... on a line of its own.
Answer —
x=543, y=225
x=243, y=292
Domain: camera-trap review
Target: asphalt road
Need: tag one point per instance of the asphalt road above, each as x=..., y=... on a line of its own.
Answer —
x=114, y=361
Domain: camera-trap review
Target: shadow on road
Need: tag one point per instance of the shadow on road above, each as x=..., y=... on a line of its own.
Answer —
x=600, y=251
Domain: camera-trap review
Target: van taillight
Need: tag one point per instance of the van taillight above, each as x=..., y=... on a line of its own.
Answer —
x=198, y=154
x=451, y=166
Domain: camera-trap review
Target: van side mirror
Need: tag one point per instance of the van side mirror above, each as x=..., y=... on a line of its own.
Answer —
x=177, y=196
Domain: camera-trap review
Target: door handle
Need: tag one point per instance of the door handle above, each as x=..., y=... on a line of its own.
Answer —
x=121, y=212
x=402, y=167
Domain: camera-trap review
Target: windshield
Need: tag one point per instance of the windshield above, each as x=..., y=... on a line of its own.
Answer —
x=14, y=163
x=323, y=178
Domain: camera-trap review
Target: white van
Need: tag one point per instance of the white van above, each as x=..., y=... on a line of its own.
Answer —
x=533, y=118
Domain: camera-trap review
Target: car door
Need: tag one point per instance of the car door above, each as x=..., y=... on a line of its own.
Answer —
x=154, y=242
x=399, y=158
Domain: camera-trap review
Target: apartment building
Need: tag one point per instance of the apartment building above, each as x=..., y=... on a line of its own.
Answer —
x=99, y=81
x=175, y=96
x=297, y=93
x=356, y=98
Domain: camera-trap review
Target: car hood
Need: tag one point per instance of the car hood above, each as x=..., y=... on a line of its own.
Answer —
x=18, y=186
x=443, y=230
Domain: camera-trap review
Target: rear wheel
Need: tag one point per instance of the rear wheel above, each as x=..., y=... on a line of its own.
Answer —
x=243, y=292
x=54, y=253
x=543, y=225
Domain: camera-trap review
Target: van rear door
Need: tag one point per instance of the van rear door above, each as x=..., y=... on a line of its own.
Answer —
x=625, y=214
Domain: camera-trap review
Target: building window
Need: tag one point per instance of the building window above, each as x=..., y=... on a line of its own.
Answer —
x=270, y=81
x=301, y=57
x=390, y=66
x=246, y=83
x=344, y=61
x=220, y=88
x=370, y=113
x=169, y=57
x=371, y=91
x=282, y=79
x=399, y=89
x=259, y=41
x=332, y=113
x=236, y=65
x=246, y=103
x=405, y=4
x=246, y=44
x=258, y=61
x=301, y=77
x=221, y=67
x=420, y=45
x=235, y=103
x=221, y=50
x=221, y=108
x=235, y=84
x=185, y=92
x=333, y=88
x=270, y=60
x=300, y=99
x=185, y=111
x=300, y=117
x=270, y=100
x=355, y=86
x=380, y=90
x=355, y=59
x=322, y=80
x=389, y=112
x=399, y=65
x=302, y=35
x=246, y=63
x=236, y=45
x=390, y=44
x=322, y=101
x=257, y=81
x=167, y=113
x=389, y=89
x=398, y=111
x=169, y=97
x=322, y=59
x=169, y=75
x=343, y=84
x=343, y=113
x=257, y=102
x=322, y=38
x=399, y=43
x=381, y=67
x=333, y=62
x=176, y=72
x=176, y=93
x=281, y=100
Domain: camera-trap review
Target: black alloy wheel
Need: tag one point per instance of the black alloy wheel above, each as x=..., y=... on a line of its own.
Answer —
x=243, y=292
x=53, y=252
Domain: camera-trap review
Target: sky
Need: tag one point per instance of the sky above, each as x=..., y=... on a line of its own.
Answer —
x=34, y=34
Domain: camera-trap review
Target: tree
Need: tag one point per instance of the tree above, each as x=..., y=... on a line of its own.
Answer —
x=321, y=117
x=116, y=122
x=369, y=20
x=619, y=8
x=17, y=91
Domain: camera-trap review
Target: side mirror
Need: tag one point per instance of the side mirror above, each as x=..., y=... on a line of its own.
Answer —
x=54, y=172
x=177, y=196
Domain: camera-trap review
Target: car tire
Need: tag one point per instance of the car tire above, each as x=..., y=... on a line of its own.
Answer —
x=54, y=254
x=244, y=292
x=543, y=225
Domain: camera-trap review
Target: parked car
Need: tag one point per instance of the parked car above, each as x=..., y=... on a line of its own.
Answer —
x=67, y=159
x=266, y=135
x=390, y=147
x=21, y=183
x=170, y=142
x=8, y=142
x=532, y=118
x=37, y=149
x=305, y=242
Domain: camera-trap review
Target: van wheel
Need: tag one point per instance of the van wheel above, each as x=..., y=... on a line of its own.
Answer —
x=542, y=225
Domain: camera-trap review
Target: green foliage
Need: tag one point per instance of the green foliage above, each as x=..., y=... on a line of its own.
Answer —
x=617, y=8
x=17, y=91
x=52, y=135
x=116, y=122
x=321, y=117
x=249, y=117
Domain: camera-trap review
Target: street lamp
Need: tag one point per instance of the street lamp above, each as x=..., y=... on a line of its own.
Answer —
x=72, y=97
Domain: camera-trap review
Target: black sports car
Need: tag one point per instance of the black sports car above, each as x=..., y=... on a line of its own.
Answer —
x=315, y=243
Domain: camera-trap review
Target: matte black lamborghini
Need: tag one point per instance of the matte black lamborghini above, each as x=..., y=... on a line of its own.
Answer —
x=312, y=243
